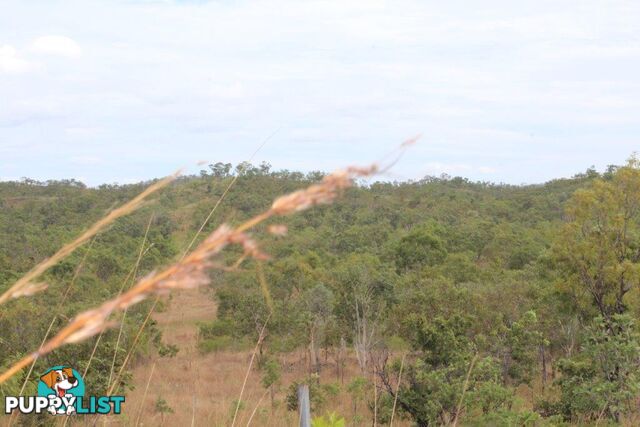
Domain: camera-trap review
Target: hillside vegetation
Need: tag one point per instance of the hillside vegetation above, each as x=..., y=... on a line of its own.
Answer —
x=492, y=304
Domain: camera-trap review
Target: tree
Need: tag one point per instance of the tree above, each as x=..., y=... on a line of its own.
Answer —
x=357, y=388
x=598, y=253
x=598, y=249
x=446, y=371
x=603, y=379
x=420, y=247
x=271, y=377
x=363, y=295
x=163, y=408
x=220, y=170
x=319, y=305
x=522, y=341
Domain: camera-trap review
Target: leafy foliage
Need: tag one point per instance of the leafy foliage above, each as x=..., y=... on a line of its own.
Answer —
x=496, y=276
x=602, y=379
x=329, y=420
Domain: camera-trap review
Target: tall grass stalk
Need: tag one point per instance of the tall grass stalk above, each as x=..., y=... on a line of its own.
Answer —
x=144, y=395
x=246, y=376
x=224, y=195
x=464, y=390
x=395, y=397
x=255, y=409
x=124, y=313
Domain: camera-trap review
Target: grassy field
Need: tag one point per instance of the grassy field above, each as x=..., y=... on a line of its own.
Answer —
x=204, y=388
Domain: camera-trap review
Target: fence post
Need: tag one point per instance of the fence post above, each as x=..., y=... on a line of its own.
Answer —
x=304, y=405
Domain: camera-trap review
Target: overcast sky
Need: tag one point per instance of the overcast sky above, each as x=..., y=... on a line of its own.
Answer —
x=507, y=91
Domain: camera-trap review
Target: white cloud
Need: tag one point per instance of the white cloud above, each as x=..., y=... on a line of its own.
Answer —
x=486, y=169
x=235, y=90
x=85, y=160
x=57, y=45
x=505, y=88
x=82, y=131
x=11, y=62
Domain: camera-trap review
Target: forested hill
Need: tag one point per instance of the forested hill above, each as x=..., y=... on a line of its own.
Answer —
x=37, y=217
x=448, y=270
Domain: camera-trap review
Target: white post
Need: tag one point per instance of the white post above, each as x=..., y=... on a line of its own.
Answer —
x=304, y=405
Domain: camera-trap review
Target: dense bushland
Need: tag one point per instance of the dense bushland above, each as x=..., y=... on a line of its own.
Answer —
x=484, y=290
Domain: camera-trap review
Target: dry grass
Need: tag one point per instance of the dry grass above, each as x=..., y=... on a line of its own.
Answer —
x=190, y=271
x=219, y=377
x=246, y=376
x=215, y=379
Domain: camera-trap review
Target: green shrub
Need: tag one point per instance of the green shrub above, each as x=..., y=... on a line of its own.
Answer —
x=396, y=343
x=216, y=328
x=215, y=344
x=224, y=342
x=168, y=350
x=601, y=380
x=505, y=418
x=331, y=389
x=317, y=394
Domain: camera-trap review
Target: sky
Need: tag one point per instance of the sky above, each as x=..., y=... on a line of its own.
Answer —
x=502, y=91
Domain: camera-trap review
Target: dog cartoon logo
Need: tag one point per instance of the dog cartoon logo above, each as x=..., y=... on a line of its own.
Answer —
x=61, y=391
x=64, y=383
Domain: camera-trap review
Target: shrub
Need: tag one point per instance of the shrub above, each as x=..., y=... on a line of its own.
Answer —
x=215, y=344
x=602, y=379
x=216, y=328
x=317, y=394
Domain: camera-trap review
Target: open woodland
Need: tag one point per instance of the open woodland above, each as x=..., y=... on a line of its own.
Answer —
x=435, y=302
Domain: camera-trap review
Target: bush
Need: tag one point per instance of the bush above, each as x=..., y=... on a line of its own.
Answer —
x=396, y=344
x=224, y=342
x=317, y=394
x=602, y=379
x=506, y=418
x=217, y=328
x=168, y=350
x=448, y=369
x=331, y=389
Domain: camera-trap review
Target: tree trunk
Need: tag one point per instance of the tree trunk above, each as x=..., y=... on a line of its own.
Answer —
x=543, y=356
x=271, y=391
x=313, y=353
